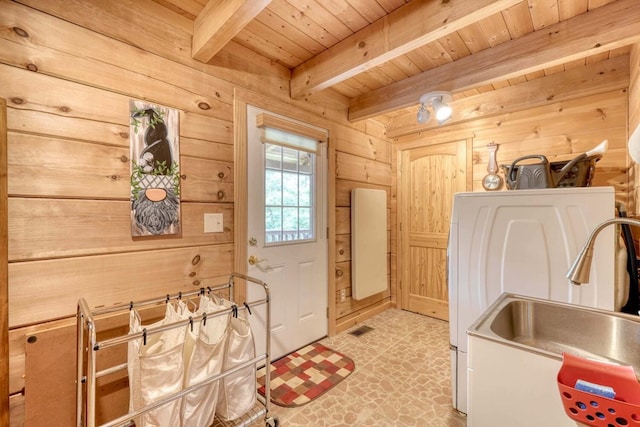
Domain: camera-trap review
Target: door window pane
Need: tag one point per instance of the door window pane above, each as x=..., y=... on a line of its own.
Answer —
x=306, y=162
x=304, y=190
x=273, y=157
x=290, y=223
x=289, y=195
x=274, y=219
x=304, y=219
x=290, y=189
x=273, y=181
x=290, y=159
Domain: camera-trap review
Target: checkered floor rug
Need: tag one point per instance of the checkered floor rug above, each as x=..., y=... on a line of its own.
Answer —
x=305, y=374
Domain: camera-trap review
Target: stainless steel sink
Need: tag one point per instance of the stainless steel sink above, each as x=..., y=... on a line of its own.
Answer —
x=551, y=328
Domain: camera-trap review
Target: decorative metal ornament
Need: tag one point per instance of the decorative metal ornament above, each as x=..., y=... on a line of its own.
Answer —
x=492, y=181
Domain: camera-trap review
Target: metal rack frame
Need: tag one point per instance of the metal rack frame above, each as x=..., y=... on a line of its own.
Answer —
x=88, y=346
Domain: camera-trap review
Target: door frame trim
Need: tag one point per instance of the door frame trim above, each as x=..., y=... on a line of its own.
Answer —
x=4, y=267
x=242, y=98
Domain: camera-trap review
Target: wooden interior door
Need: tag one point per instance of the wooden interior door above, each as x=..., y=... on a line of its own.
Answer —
x=430, y=176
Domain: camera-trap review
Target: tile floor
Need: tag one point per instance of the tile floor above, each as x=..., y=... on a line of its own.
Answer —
x=402, y=378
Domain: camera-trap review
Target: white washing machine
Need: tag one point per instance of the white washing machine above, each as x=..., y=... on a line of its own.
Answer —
x=523, y=242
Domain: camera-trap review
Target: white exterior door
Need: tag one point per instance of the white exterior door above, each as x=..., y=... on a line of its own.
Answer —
x=287, y=244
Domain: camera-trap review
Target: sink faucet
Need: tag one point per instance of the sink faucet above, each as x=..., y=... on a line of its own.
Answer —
x=579, y=271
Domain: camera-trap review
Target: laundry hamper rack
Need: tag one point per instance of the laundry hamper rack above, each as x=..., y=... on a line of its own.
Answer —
x=88, y=346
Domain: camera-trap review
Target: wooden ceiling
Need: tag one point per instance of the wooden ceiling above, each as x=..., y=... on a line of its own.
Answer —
x=382, y=55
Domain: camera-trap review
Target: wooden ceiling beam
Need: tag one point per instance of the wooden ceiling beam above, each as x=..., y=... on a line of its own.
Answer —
x=219, y=22
x=192, y=7
x=602, y=29
x=403, y=30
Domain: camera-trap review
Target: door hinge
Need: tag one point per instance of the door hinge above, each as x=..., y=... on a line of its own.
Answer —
x=327, y=312
x=327, y=232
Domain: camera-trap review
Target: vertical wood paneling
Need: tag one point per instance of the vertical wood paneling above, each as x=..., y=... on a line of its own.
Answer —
x=428, y=280
x=430, y=209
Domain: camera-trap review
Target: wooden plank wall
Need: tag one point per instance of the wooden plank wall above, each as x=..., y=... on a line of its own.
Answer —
x=68, y=71
x=352, y=172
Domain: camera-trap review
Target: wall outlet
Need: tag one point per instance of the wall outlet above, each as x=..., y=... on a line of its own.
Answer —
x=213, y=223
x=343, y=295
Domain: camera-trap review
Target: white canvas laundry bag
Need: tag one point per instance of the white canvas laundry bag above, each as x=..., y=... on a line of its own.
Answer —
x=156, y=369
x=204, y=356
x=237, y=394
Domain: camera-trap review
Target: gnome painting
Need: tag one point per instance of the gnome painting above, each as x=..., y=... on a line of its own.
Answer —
x=155, y=173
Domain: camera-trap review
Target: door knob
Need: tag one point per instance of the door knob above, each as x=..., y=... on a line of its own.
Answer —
x=253, y=260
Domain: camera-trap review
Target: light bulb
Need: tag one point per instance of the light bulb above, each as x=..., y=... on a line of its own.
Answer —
x=442, y=110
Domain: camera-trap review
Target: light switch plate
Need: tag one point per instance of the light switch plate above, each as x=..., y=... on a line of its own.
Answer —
x=213, y=223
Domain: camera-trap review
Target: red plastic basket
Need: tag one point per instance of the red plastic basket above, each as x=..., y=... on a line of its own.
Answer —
x=593, y=409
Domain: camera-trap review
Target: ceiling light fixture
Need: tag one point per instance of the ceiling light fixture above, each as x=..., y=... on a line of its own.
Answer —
x=438, y=101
